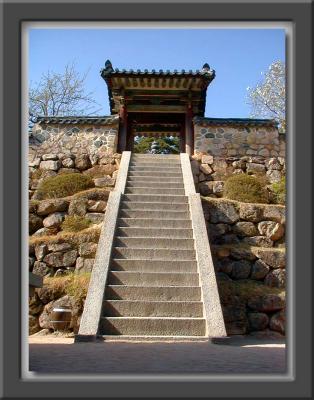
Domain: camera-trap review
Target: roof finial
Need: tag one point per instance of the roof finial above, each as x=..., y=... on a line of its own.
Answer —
x=108, y=65
x=206, y=66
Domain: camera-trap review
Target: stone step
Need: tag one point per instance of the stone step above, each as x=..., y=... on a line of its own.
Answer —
x=151, y=190
x=130, y=278
x=149, y=184
x=153, y=243
x=155, y=173
x=154, y=254
x=154, y=179
x=155, y=338
x=159, y=198
x=148, y=293
x=155, y=164
x=163, y=157
x=126, y=308
x=152, y=326
x=155, y=232
x=122, y=264
x=153, y=206
x=149, y=219
x=159, y=168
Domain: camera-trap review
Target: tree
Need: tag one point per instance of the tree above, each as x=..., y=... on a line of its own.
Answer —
x=165, y=145
x=61, y=94
x=268, y=98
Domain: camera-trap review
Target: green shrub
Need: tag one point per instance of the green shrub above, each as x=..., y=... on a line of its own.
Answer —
x=75, y=223
x=63, y=185
x=246, y=188
x=279, y=190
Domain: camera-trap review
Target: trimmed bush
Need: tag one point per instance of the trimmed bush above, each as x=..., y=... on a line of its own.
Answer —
x=279, y=191
x=75, y=223
x=63, y=185
x=245, y=188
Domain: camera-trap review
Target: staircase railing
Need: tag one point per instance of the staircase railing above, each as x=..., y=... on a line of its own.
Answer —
x=215, y=326
x=95, y=296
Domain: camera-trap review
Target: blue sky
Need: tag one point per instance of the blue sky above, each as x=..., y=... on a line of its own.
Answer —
x=237, y=55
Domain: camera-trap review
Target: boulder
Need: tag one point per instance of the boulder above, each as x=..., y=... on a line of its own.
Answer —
x=50, y=165
x=224, y=266
x=195, y=165
x=96, y=206
x=272, y=257
x=276, y=278
x=35, y=163
x=84, y=265
x=50, y=206
x=54, y=220
x=229, y=238
x=241, y=253
x=258, y=321
x=88, y=249
x=46, y=231
x=250, y=212
x=78, y=206
x=266, y=303
x=239, y=164
x=33, y=324
x=35, y=306
x=206, y=188
x=259, y=270
x=40, y=251
x=102, y=170
x=216, y=230
x=260, y=241
x=44, y=319
x=40, y=268
x=219, y=165
x=34, y=223
x=96, y=218
x=272, y=230
x=218, y=188
x=47, y=157
x=273, y=164
x=54, y=259
x=59, y=247
x=254, y=168
x=274, y=176
x=105, y=181
x=68, y=162
x=244, y=228
x=206, y=169
x=82, y=162
x=223, y=211
x=240, y=269
x=274, y=213
x=278, y=322
x=106, y=160
x=69, y=258
x=207, y=159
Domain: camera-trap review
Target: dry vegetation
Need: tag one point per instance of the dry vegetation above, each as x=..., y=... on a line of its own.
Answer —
x=246, y=188
x=75, y=223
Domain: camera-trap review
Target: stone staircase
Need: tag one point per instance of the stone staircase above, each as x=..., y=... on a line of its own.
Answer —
x=153, y=284
x=151, y=287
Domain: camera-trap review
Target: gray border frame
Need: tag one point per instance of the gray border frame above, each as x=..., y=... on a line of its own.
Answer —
x=300, y=214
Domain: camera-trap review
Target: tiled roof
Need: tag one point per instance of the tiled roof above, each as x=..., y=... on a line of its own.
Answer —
x=95, y=120
x=109, y=70
x=236, y=121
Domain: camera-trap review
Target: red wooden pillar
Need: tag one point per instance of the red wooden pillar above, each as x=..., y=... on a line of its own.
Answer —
x=189, y=142
x=122, y=142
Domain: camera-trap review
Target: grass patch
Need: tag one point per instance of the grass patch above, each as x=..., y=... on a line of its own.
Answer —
x=279, y=191
x=245, y=188
x=74, y=285
x=75, y=223
x=75, y=238
x=63, y=185
x=93, y=194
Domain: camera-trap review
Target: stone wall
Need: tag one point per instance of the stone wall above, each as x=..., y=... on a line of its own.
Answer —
x=75, y=139
x=248, y=248
x=102, y=167
x=210, y=172
x=230, y=140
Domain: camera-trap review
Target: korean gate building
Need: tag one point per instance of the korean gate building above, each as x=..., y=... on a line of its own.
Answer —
x=157, y=104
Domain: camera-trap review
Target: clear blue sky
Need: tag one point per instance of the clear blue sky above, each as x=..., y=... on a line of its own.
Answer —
x=237, y=55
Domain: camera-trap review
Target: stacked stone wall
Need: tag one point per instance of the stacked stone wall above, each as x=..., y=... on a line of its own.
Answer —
x=74, y=139
x=230, y=140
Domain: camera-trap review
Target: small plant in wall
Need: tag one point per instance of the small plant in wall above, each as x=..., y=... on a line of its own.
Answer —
x=246, y=188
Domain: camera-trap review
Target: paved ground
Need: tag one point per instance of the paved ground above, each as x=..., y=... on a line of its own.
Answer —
x=242, y=355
